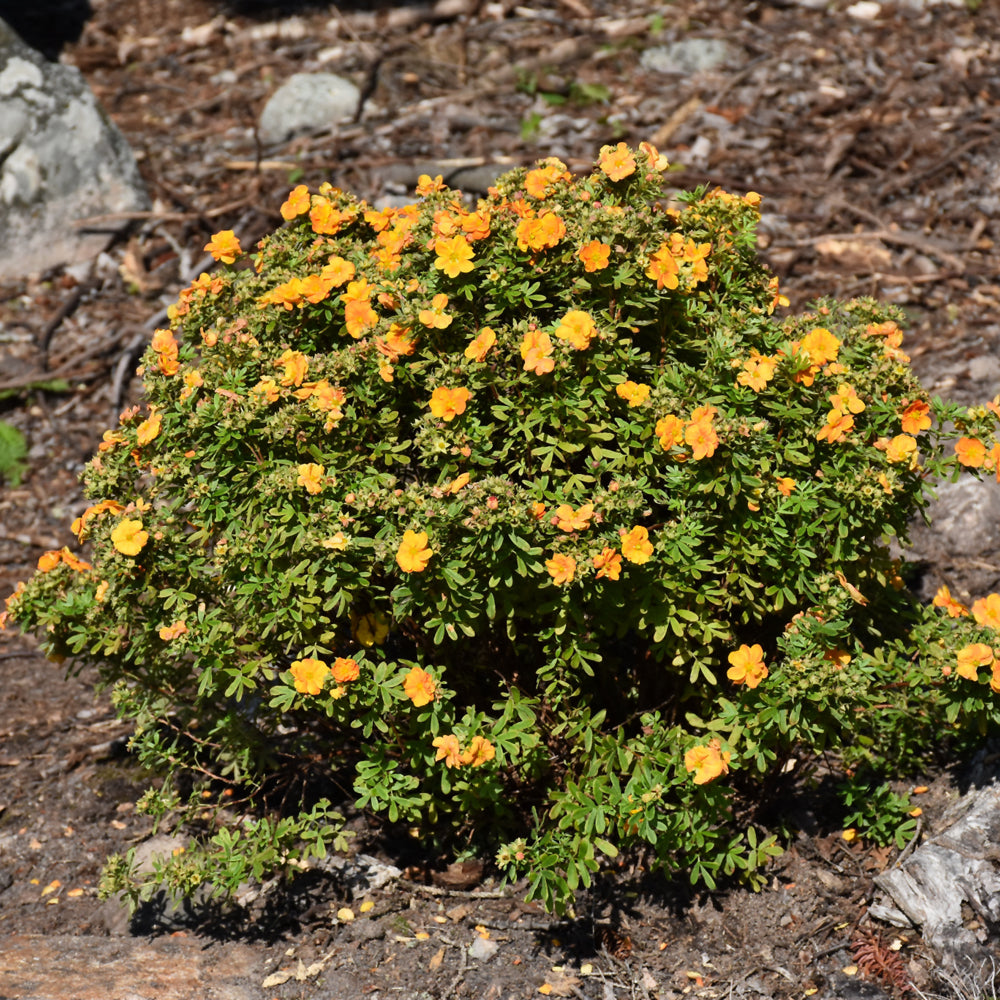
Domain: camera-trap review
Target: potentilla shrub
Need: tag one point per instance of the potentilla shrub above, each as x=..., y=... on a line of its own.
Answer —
x=529, y=525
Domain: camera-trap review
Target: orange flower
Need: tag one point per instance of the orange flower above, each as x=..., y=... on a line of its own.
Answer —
x=295, y=365
x=943, y=599
x=413, y=553
x=457, y=484
x=836, y=428
x=77, y=565
x=635, y=392
x=986, y=611
x=174, y=631
x=148, y=429
x=482, y=345
x=608, y=564
x=426, y=186
x=846, y=399
x=435, y=316
x=758, y=370
x=358, y=317
x=747, y=665
x=224, y=246
x=970, y=452
x=296, y=204
x=670, y=431
x=327, y=219
x=128, y=537
x=536, y=350
x=311, y=477
x=578, y=328
x=309, y=675
x=448, y=750
x=636, y=546
x=449, y=403
x=657, y=161
x=971, y=658
x=901, y=448
x=419, y=686
x=567, y=519
x=595, y=255
x=707, y=762
x=345, y=670
x=916, y=417
x=540, y=233
x=337, y=271
x=561, y=568
x=701, y=436
x=479, y=752
x=785, y=485
x=821, y=346
x=663, y=268
x=616, y=162
x=49, y=561
x=454, y=256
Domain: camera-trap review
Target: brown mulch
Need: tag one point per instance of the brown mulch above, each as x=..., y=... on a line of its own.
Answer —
x=871, y=131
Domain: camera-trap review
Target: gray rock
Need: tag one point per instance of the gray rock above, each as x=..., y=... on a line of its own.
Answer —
x=61, y=161
x=305, y=103
x=690, y=55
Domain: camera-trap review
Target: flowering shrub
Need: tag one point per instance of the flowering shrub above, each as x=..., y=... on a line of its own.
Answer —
x=527, y=524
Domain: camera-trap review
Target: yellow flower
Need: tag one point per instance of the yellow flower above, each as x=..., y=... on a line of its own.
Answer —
x=707, y=762
x=413, y=553
x=338, y=541
x=419, y=686
x=561, y=568
x=309, y=675
x=636, y=546
x=635, y=392
x=128, y=537
x=311, y=477
x=448, y=403
x=454, y=256
x=224, y=246
x=747, y=665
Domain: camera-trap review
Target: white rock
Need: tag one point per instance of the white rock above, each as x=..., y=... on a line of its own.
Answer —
x=61, y=161
x=690, y=55
x=307, y=102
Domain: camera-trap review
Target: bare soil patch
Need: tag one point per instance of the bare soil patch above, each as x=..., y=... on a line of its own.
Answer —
x=874, y=142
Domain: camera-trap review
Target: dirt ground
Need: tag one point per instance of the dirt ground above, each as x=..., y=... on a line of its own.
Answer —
x=871, y=131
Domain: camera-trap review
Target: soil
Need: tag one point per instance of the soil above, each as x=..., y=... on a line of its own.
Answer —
x=871, y=131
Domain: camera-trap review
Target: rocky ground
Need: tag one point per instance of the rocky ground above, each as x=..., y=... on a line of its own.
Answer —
x=871, y=131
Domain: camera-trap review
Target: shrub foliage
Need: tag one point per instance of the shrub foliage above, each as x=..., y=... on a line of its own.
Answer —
x=527, y=524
